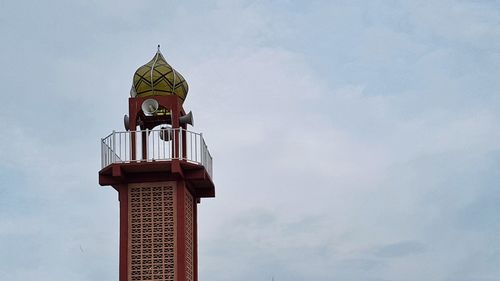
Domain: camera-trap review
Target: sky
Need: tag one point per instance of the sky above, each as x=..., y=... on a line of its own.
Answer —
x=352, y=140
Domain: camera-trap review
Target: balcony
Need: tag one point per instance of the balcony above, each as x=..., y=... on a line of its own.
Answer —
x=155, y=146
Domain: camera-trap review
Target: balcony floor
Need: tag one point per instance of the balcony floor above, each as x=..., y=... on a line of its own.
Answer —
x=195, y=175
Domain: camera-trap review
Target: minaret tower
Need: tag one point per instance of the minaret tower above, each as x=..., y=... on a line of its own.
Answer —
x=161, y=170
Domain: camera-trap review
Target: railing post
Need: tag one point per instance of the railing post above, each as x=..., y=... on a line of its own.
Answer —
x=202, y=148
x=146, y=139
x=129, y=145
x=174, y=144
x=102, y=155
x=181, y=145
x=113, y=147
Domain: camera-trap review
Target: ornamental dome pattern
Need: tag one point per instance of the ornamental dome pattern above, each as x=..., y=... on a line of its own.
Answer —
x=158, y=78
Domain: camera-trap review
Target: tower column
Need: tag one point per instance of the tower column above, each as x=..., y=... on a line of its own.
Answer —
x=160, y=171
x=195, y=240
x=181, y=239
x=124, y=230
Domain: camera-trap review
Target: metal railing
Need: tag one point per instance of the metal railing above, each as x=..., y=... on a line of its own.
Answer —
x=155, y=145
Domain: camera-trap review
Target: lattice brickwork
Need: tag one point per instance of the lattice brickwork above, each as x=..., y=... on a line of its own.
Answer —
x=189, y=236
x=152, y=231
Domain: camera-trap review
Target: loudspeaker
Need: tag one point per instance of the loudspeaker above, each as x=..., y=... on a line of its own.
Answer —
x=149, y=107
x=133, y=94
x=126, y=122
x=166, y=134
x=187, y=119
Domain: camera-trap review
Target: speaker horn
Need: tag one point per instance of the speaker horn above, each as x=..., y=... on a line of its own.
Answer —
x=149, y=107
x=187, y=119
x=166, y=134
x=126, y=122
x=133, y=94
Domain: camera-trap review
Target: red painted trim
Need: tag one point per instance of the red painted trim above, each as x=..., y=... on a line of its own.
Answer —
x=195, y=238
x=181, y=232
x=116, y=171
x=176, y=167
x=195, y=175
x=132, y=112
x=184, y=144
x=124, y=228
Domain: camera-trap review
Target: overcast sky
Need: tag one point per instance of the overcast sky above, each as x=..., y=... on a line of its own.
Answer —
x=352, y=140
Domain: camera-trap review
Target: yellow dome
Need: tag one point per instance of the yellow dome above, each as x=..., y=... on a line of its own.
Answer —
x=158, y=78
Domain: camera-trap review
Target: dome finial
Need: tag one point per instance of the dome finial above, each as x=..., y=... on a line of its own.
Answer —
x=158, y=48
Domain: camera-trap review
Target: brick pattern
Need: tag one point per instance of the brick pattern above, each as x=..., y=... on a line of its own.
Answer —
x=152, y=231
x=189, y=202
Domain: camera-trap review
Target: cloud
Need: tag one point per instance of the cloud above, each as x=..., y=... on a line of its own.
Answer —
x=352, y=141
x=400, y=249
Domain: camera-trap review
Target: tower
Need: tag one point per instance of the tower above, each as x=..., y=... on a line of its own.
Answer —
x=161, y=170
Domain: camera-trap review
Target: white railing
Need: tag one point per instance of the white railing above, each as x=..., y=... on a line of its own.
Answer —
x=159, y=145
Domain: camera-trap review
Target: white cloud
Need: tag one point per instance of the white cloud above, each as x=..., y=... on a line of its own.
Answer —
x=351, y=141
